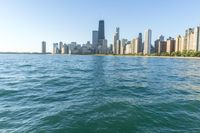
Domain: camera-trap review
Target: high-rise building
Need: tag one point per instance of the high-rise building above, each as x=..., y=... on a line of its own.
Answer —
x=196, y=44
x=55, y=48
x=178, y=44
x=133, y=46
x=117, y=33
x=116, y=38
x=141, y=47
x=118, y=47
x=101, y=32
x=123, y=46
x=43, y=47
x=137, y=44
x=170, y=45
x=147, y=42
x=157, y=44
x=111, y=49
x=161, y=38
x=189, y=39
x=199, y=40
x=60, y=47
x=95, y=39
x=105, y=47
x=128, y=48
x=192, y=36
x=65, y=49
x=183, y=43
x=161, y=47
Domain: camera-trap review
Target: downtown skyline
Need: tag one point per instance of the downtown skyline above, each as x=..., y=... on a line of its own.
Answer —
x=23, y=27
x=181, y=45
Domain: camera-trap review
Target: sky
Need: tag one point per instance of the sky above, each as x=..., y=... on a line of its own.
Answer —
x=24, y=24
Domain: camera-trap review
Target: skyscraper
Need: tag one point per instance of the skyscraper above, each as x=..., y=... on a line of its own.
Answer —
x=95, y=40
x=170, y=45
x=123, y=46
x=192, y=36
x=105, y=46
x=161, y=38
x=101, y=32
x=199, y=39
x=65, y=49
x=140, y=44
x=118, y=45
x=116, y=38
x=43, y=47
x=60, y=47
x=196, y=43
x=55, y=48
x=178, y=44
x=183, y=43
x=147, y=42
x=160, y=45
x=137, y=46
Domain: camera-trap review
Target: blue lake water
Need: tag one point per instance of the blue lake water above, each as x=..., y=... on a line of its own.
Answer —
x=98, y=94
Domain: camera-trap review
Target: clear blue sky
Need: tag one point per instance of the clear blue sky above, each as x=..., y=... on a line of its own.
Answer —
x=25, y=23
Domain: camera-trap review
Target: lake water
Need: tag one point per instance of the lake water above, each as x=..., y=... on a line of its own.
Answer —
x=98, y=94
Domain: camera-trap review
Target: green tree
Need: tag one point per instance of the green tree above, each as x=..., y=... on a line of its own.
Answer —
x=184, y=53
x=165, y=54
x=190, y=53
x=178, y=53
x=197, y=54
x=173, y=54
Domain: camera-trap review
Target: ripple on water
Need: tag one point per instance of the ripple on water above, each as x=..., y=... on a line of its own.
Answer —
x=86, y=94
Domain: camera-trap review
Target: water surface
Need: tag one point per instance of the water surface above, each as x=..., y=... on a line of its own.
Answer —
x=98, y=94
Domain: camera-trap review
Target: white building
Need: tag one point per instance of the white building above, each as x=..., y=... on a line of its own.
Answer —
x=65, y=49
x=123, y=46
x=196, y=42
x=192, y=39
x=55, y=48
x=116, y=38
x=178, y=44
x=128, y=48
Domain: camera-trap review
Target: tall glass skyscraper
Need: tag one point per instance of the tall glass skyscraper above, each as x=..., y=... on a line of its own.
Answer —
x=94, y=38
x=101, y=32
x=147, y=42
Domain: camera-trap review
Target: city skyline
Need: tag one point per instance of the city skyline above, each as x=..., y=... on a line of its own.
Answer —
x=23, y=27
x=186, y=45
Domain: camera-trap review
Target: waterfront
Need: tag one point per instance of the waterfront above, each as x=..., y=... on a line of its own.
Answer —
x=109, y=94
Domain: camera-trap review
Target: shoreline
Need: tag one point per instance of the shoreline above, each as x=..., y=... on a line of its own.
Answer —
x=140, y=56
x=175, y=57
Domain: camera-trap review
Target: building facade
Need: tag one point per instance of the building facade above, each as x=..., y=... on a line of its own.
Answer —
x=147, y=42
x=55, y=48
x=170, y=45
x=178, y=44
x=116, y=38
x=101, y=32
x=95, y=40
x=44, y=44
